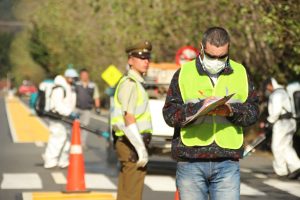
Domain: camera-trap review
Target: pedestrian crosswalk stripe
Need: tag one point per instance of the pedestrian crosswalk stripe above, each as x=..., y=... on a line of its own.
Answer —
x=289, y=187
x=160, y=183
x=59, y=177
x=21, y=181
x=250, y=191
x=99, y=181
x=257, y=175
x=245, y=170
x=27, y=196
x=40, y=144
x=154, y=182
x=92, y=181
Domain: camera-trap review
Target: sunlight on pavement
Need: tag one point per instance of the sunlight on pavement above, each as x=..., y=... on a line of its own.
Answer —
x=24, y=126
x=66, y=196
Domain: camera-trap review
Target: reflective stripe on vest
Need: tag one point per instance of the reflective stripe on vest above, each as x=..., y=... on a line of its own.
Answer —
x=141, y=114
x=195, y=87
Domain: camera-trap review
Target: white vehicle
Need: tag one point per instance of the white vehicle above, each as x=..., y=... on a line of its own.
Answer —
x=162, y=133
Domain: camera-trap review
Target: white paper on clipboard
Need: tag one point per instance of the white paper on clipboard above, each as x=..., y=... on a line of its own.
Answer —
x=207, y=107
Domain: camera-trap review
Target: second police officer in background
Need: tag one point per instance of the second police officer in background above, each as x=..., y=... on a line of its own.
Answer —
x=131, y=121
x=87, y=94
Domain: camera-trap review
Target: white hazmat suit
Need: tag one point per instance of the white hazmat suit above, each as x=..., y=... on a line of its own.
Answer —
x=286, y=160
x=62, y=101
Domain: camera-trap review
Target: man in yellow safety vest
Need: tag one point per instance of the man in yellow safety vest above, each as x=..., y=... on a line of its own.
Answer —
x=208, y=148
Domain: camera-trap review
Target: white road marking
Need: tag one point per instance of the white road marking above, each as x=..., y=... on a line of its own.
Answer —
x=92, y=181
x=40, y=144
x=250, y=191
x=245, y=170
x=289, y=187
x=99, y=181
x=10, y=124
x=21, y=181
x=258, y=175
x=160, y=183
x=59, y=177
x=27, y=195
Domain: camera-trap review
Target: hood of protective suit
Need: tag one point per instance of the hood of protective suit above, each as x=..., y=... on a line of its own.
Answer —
x=275, y=84
x=60, y=80
x=63, y=105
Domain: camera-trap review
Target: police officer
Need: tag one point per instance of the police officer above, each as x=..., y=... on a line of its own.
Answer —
x=87, y=98
x=131, y=122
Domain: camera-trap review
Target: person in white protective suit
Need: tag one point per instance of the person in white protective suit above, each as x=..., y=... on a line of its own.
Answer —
x=62, y=102
x=286, y=162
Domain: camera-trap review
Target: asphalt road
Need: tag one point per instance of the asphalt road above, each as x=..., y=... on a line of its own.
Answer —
x=22, y=172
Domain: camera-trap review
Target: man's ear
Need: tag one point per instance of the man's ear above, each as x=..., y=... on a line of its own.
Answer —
x=130, y=61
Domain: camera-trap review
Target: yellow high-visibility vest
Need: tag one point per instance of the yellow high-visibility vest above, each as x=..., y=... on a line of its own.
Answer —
x=209, y=128
x=142, y=112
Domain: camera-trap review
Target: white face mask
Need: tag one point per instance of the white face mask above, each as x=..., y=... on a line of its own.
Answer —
x=213, y=66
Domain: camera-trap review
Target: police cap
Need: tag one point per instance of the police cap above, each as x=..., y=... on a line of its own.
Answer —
x=140, y=50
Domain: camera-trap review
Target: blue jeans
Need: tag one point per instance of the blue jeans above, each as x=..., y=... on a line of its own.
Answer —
x=218, y=180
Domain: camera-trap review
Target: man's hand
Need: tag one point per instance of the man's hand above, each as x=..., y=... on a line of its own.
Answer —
x=222, y=110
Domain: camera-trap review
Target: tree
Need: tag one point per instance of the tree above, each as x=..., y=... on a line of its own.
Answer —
x=5, y=40
x=93, y=34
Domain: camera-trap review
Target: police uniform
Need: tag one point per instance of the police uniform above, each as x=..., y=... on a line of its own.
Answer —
x=128, y=96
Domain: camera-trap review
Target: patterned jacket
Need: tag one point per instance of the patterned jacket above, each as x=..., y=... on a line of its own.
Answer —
x=175, y=113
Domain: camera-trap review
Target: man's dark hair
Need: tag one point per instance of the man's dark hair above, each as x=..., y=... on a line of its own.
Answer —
x=216, y=36
x=83, y=70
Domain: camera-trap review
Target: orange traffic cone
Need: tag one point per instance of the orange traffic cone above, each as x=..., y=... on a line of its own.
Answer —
x=177, y=195
x=75, y=178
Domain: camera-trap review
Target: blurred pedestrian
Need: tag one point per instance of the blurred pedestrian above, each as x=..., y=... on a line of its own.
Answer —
x=87, y=98
x=208, y=149
x=62, y=102
x=131, y=121
x=286, y=162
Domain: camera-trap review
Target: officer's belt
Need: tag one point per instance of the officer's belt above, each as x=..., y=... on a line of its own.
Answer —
x=145, y=136
x=124, y=138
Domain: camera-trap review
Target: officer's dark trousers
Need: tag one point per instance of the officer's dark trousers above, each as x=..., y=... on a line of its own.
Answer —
x=131, y=178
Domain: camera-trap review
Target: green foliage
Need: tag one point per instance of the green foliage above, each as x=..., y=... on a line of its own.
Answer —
x=23, y=67
x=94, y=33
x=5, y=40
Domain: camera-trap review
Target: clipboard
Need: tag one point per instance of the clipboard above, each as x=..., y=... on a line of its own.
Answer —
x=209, y=106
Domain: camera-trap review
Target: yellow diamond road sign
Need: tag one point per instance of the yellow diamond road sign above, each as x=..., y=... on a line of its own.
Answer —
x=111, y=75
